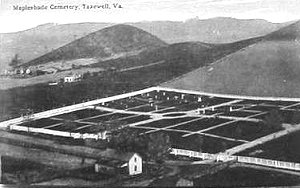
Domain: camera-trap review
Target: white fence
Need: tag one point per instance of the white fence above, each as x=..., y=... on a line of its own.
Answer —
x=101, y=135
x=200, y=155
x=224, y=157
x=270, y=163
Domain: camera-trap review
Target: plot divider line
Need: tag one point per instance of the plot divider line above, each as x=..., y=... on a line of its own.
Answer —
x=53, y=125
x=172, y=126
x=290, y=106
x=223, y=124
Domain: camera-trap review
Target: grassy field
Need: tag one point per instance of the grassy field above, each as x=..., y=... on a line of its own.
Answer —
x=57, y=160
x=268, y=67
x=285, y=149
x=263, y=69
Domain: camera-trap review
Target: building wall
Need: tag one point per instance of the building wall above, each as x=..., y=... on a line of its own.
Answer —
x=135, y=165
x=69, y=79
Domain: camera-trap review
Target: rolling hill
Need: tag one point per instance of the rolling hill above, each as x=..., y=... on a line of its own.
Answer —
x=269, y=67
x=35, y=42
x=152, y=65
x=105, y=43
x=176, y=59
x=32, y=43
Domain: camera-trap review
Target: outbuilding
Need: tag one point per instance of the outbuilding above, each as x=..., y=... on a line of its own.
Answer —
x=134, y=164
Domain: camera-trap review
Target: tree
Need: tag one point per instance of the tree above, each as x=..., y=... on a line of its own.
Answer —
x=125, y=140
x=273, y=120
x=158, y=146
x=15, y=61
x=86, y=75
x=90, y=142
x=153, y=146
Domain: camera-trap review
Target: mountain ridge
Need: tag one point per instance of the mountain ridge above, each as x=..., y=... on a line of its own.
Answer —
x=269, y=67
x=40, y=40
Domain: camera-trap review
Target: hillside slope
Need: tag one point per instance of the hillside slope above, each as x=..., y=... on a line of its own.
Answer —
x=151, y=66
x=32, y=43
x=269, y=67
x=40, y=40
x=104, y=43
x=178, y=59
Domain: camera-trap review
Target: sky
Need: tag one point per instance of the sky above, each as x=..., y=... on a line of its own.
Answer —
x=11, y=20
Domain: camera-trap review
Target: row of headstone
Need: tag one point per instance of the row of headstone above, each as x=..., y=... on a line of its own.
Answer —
x=199, y=111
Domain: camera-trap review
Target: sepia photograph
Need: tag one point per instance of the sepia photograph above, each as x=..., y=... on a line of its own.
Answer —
x=145, y=93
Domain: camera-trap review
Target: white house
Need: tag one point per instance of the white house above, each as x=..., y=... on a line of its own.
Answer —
x=72, y=78
x=134, y=164
x=69, y=79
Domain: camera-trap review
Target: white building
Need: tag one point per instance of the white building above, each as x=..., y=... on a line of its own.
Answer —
x=69, y=79
x=134, y=164
x=73, y=78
